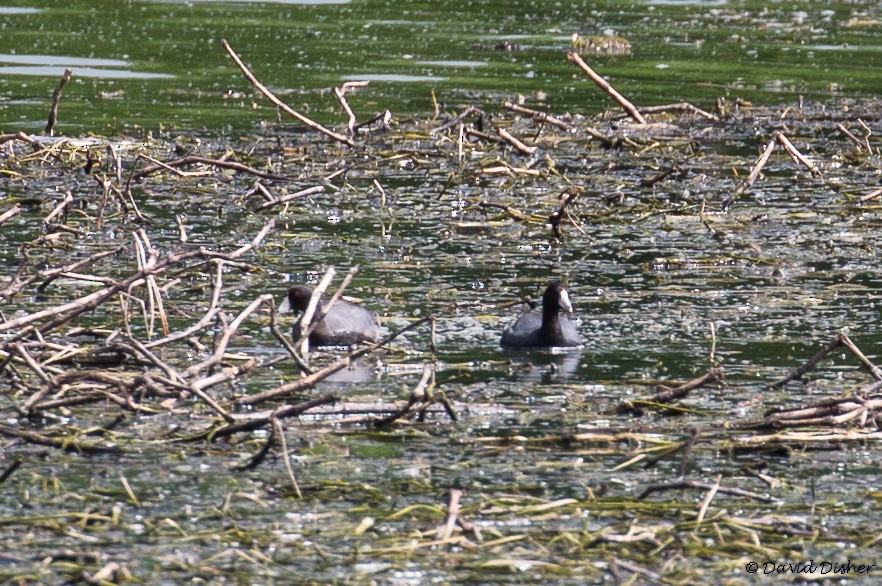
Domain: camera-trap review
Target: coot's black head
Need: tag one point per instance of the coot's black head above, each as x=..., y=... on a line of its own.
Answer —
x=297, y=299
x=556, y=298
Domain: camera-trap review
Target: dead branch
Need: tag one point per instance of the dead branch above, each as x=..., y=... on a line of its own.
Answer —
x=340, y=92
x=605, y=86
x=56, y=98
x=279, y=103
x=311, y=380
x=517, y=144
x=456, y=119
x=694, y=484
x=542, y=117
x=69, y=311
x=839, y=339
x=680, y=107
x=264, y=419
x=67, y=444
x=197, y=160
x=10, y=213
x=291, y=197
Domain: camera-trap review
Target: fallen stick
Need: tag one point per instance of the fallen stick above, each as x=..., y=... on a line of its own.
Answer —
x=340, y=92
x=754, y=173
x=848, y=134
x=446, y=531
x=797, y=156
x=870, y=196
x=291, y=197
x=59, y=209
x=680, y=107
x=455, y=120
x=263, y=419
x=538, y=116
x=197, y=160
x=839, y=339
x=714, y=375
x=562, y=213
x=64, y=313
x=56, y=98
x=517, y=144
x=313, y=379
x=22, y=137
x=279, y=103
x=10, y=213
x=605, y=86
x=694, y=484
x=417, y=395
x=67, y=444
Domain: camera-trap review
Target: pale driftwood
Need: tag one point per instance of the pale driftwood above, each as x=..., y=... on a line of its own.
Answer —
x=796, y=155
x=197, y=160
x=310, y=381
x=517, y=144
x=68, y=311
x=279, y=103
x=291, y=197
x=340, y=92
x=539, y=116
x=632, y=111
x=10, y=213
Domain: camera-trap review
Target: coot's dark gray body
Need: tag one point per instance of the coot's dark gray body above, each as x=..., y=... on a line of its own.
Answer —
x=547, y=329
x=345, y=324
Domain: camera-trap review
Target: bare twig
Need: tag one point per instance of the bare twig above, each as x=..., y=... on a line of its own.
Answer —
x=605, y=86
x=279, y=103
x=56, y=98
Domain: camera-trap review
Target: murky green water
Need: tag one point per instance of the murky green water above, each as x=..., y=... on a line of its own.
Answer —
x=154, y=65
x=792, y=262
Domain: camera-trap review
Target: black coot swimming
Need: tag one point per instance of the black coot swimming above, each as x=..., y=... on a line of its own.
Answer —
x=546, y=329
x=345, y=324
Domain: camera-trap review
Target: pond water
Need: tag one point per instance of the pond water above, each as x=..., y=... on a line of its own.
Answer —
x=661, y=277
x=698, y=51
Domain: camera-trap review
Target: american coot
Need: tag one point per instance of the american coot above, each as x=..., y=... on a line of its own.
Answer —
x=345, y=324
x=548, y=329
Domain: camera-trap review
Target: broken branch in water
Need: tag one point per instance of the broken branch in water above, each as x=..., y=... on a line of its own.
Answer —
x=197, y=160
x=279, y=103
x=517, y=144
x=778, y=138
x=340, y=92
x=539, y=116
x=632, y=111
x=311, y=380
x=838, y=340
x=56, y=98
x=696, y=485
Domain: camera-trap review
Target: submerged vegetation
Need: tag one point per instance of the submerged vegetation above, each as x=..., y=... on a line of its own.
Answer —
x=164, y=425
